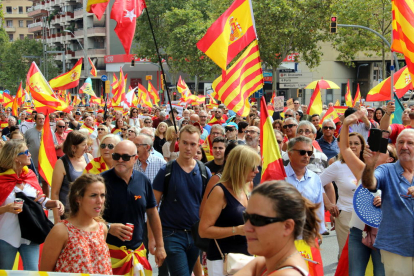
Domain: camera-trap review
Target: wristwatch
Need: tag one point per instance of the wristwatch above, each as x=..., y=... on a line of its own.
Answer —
x=109, y=226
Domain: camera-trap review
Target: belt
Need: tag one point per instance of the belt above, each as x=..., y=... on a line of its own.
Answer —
x=183, y=230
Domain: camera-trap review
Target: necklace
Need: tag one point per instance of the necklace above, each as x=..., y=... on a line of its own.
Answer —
x=284, y=260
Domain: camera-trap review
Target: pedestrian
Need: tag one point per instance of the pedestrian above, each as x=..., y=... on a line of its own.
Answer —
x=104, y=162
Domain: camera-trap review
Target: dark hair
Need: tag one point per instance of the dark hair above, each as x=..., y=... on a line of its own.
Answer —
x=314, y=115
x=203, y=154
x=74, y=138
x=220, y=139
x=78, y=188
x=375, y=114
x=363, y=143
x=278, y=121
x=349, y=111
x=132, y=110
x=288, y=203
x=242, y=125
x=38, y=114
x=230, y=146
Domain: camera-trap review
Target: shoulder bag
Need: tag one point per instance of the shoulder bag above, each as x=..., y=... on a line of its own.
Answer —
x=233, y=262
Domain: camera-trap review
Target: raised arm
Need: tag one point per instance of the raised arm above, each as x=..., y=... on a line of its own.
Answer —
x=368, y=179
x=385, y=121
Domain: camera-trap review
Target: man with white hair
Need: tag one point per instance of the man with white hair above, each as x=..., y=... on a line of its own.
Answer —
x=159, y=119
x=328, y=142
x=150, y=132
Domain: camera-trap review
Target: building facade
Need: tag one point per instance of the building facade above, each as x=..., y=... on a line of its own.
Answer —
x=16, y=19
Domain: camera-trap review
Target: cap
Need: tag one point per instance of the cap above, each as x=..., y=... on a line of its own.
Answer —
x=231, y=124
x=371, y=109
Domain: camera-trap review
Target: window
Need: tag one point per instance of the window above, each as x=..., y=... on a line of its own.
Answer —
x=329, y=95
x=21, y=37
x=21, y=23
x=27, y=9
x=9, y=23
x=30, y=36
x=20, y=10
x=28, y=22
x=9, y=10
x=11, y=37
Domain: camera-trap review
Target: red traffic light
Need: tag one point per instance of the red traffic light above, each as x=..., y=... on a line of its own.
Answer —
x=333, y=19
x=175, y=93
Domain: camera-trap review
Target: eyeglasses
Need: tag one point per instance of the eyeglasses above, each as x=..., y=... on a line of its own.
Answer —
x=327, y=127
x=131, y=131
x=295, y=103
x=250, y=131
x=61, y=126
x=230, y=129
x=125, y=157
x=101, y=129
x=288, y=116
x=279, y=141
x=289, y=126
x=140, y=145
x=306, y=131
x=134, y=111
x=258, y=220
x=110, y=146
x=303, y=152
x=26, y=152
x=124, y=129
x=147, y=122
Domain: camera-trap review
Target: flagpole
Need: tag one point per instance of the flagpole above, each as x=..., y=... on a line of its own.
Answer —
x=392, y=71
x=162, y=69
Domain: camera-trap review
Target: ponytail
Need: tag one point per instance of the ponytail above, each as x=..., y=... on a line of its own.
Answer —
x=311, y=227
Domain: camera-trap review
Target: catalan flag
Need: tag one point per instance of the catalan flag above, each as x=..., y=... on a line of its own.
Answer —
x=240, y=81
x=87, y=88
x=17, y=101
x=47, y=152
x=403, y=29
x=97, y=7
x=357, y=96
x=348, y=96
x=93, y=68
x=382, y=91
x=229, y=34
x=143, y=96
x=69, y=79
x=272, y=168
x=315, y=104
x=330, y=114
x=153, y=93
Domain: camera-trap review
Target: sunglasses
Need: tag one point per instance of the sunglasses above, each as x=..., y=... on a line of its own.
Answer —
x=61, y=126
x=330, y=128
x=26, y=152
x=258, y=220
x=306, y=131
x=110, y=146
x=125, y=157
x=288, y=116
x=124, y=129
x=303, y=152
x=230, y=129
x=289, y=126
x=101, y=129
x=147, y=122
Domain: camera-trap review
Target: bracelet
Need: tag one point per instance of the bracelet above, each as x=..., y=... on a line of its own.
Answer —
x=388, y=114
x=234, y=230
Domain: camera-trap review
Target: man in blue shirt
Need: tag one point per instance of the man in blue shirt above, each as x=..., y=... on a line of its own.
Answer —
x=181, y=203
x=328, y=142
x=307, y=182
x=395, y=236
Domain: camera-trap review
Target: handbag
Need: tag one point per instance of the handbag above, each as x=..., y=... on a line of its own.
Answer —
x=369, y=235
x=233, y=262
x=201, y=243
x=34, y=224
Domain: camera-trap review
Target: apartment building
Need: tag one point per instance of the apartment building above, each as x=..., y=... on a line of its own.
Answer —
x=16, y=19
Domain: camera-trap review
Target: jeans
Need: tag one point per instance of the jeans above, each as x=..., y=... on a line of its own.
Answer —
x=29, y=254
x=162, y=270
x=359, y=254
x=181, y=251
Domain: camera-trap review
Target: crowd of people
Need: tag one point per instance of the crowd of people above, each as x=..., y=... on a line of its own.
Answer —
x=128, y=183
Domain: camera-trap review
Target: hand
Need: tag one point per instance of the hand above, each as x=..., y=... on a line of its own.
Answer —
x=332, y=219
x=39, y=197
x=333, y=209
x=55, y=204
x=410, y=192
x=370, y=157
x=160, y=255
x=70, y=116
x=151, y=246
x=11, y=208
x=377, y=201
x=240, y=230
x=120, y=231
x=390, y=107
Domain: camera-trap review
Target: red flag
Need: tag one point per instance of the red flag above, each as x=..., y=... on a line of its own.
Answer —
x=125, y=13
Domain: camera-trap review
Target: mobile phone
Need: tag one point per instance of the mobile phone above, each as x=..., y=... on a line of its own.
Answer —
x=374, y=139
x=4, y=138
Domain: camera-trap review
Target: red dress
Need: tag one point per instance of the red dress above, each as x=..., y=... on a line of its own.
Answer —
x=85, y=252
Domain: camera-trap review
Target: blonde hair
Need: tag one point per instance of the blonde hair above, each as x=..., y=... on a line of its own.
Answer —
x=169, y=133
x=240, y=162
x=9, y=152
x=157, y=131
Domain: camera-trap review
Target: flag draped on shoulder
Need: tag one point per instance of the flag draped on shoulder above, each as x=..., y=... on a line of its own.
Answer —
x=229, y=34
x=272, y=168
x=69, y=79
x=315, y=104
x=93, y=68
x=125, y=13
x=97, y=7
x=87, y=88
x=47, y=152
x=240, y=81
x=348, y=96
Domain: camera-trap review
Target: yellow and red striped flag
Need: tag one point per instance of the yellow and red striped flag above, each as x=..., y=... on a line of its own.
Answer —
x=403, y=31
x=240, y=81
x=93, y=68
x=47, y=152
x=119, y=88
x=229, y=34
x=330, y=114
x=17, y=101
x=69, y=79
x=143, y=96
x=315, y=104
x=95, y=100
x=153, y=93
x=97, y=7
x=348, y=96
x=183, y=89
x=272, y=168
x=76, y=100
x=357, y=96
x=382, y=91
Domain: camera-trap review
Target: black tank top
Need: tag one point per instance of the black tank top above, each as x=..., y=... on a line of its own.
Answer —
x=231, y=215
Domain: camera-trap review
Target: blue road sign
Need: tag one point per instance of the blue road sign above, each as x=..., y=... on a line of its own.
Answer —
x=258, y=93
x=7, y=91
x=104, y=78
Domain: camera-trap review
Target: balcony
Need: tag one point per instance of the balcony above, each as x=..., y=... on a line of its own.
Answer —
x=15, y=14
x=79, y=33
x=91, y=53
x=97, y=31
x=10, y=29
x=78, y=13
x=35, y=27
x=36, y=11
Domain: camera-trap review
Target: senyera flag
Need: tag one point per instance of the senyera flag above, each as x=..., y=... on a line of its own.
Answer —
x=69, y=79
x=47, y=152
x=229, y=34
x=97, y=7
x=272, y=168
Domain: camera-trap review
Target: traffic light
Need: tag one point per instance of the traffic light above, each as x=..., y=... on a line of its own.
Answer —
x=133, y=63
x=333, y=27
x=174, y=96
x=299, y=93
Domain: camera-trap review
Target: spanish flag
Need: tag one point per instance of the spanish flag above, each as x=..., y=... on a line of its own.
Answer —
x=119, y=88
x=312, y=256
x=47, y=152
x=330, y=114
x=183, y=89
x=17, y=101
x=143, y=96
x=93, y=69
x=315, y=104
x=69, y=79
x=153, y=93
x=272, y=168
x=229, y=34
x=348, y=96
x=96, y=100
x=357, y=96
x=97, y=7
x=76, y=100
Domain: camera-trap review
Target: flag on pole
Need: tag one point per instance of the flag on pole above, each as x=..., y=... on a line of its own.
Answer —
x=357, y=96
x=87, y=88
x=143, y=96
x=93, y=68
x=125, y=13
x=47, y=152
x=330, y=114
x=272, y=168
x=17, y=101
x=337, y=103
x=348, y=96
x=183, y=89
x=97, y=7
x=153, y=93
x=69, y=79
x=76, y=100
x=240, y=81
x=315, y=104
x=229, y=34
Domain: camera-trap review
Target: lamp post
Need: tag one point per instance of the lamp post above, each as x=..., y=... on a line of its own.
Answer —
x=85, y=55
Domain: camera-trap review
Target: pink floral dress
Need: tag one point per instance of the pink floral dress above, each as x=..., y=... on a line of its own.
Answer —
x=85, y=252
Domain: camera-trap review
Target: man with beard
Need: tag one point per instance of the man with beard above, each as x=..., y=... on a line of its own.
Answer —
x=218, y=118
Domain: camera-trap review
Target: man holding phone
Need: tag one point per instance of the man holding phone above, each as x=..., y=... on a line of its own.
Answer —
x=395, y=129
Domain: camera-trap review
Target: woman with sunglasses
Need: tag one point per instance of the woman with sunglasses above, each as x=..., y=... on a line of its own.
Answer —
x=104, y=161
x=221, y=217
x=134, y=119
x=15, y=177
x=276, y=215
x=102, y=131
x=132, y=132
x=69, y=167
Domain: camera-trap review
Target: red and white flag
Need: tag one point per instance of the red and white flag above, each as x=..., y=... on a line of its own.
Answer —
x=125, y=13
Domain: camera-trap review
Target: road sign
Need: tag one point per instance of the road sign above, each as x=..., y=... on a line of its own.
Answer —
x=258, y=93
x=7, y=91
x=148, y=77
x=296, y=75
x=286, y=70
x=104, y=78
x=292, y=85
x=295, y=80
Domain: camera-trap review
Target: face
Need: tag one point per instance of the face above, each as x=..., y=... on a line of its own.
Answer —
x=203, y=118
x=306, y=131
x=89, y=121
x=60, y=127
x=162, y=128
x=316, y=121
x=188, y=144
x=22, y=117
x=215, y=133
x=304, y=109
x=194, y=118
x=23, y=158
x=288, y=114
x=118, y=115
x=298, y=160
x=330, y=104
x=135, y=113
x=199, y=154
x=12, y=122
x=126, y=148
x=406, y=114
x=80, y=149
x=93, y=200
x=355, y=145
x=251, y=174
x=99, y=117
x=219, y=114
x=101, y=131
x=131, y=134
x=296, y=104
x=106, y=152
x=370, y=114
x=378, y=114
x=328, y=129
x=405, y=147
x=148, y=123
x=298, y=116
x=40, y=120
x=142, y=148
x=279, y=140
x=186, y=114
x=290, y=128
x=231, y=132
x=251, y=134
x=218, y=151
x=278, y=127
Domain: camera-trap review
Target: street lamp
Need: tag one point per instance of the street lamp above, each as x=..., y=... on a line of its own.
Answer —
x=85, y=55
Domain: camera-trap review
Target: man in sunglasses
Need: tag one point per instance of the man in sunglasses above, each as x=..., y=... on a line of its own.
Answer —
x=129, y=198
x=231, y=133
x=328, y=142
x=306, y=182
x=60, y=137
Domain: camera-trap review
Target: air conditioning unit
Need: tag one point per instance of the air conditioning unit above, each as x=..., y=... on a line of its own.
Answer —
x=14, y=8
